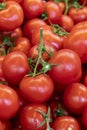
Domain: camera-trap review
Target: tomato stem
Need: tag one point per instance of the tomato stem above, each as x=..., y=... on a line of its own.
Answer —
x=47, y=119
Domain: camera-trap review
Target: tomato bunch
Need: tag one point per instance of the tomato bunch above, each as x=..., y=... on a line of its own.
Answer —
x=43, y=64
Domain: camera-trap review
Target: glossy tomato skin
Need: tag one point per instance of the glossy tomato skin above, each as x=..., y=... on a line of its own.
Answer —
x=67, y=22
x=32, y=9
x=49, y=37
x=78, y=15
x=31, y=25
x=31, y=119
x=9, y=104
x=33, y=52
x=12, y=15
x=75, y=97
x=22, y=44
x=15, y=66
x=2, y=78
x=65, y=123
x=37, y=89
x=66, y=69
x=77, y=41
x=53, y=12
x=1, y=126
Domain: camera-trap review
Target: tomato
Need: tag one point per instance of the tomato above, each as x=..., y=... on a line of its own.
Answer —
x=65, y=123
x=67, y=22
x=2, y=78
x=32, y=9
x=66, y=69
x=1, y=126
x=77, y=41
x=9, y=103
x=22, y=44
x=52, y=13
x=50, y=50
x=75, y=97
x=15, y=66
x=18, y=32
x=84, y=116
x=31, y=25
x=11, y=15
x=31, y=119
x=16, y=0
x=49, y=37
x=36, y=89
x=78, y=15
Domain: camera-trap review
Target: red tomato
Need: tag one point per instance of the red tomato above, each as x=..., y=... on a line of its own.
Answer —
x=18, y=32
x=78, y=15
x=77, y=41
x=52, y=12
x=15, y=66
x=1, y=126
x=50, y=50
x=31, y=25
x=49, y=37
x=22, y=44
x=36, y=89
x=66, y=69
x=67, y=22
x=11, y=16
x=32, y=9
x=75, y=97
x=2, y=78
x=65, y=123
x=31, y=119
x=9, y=102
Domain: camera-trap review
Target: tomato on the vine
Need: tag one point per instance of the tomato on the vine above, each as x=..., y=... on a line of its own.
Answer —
x=36, y=89
x=11, y=16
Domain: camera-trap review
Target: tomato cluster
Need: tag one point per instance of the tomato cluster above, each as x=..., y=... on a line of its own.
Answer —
x=43, y=64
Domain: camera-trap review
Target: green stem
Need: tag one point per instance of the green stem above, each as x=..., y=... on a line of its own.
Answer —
x=40, y=52
x=67, y=6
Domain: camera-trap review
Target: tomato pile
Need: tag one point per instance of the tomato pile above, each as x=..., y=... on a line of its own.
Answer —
x=43, y=64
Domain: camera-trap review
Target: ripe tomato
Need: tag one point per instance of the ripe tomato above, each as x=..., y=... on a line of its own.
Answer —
x=31, y=119
x=65, y=123
x=22, y=44
x=9, y=102
x=66, y=69
x=37, y=89
x=77, y=41
x=50, y=50
x=52, y=13
x=1, y=126
x=31, y=25
x=15, y=66
x=2, y=78
x=49, y=37
x=78, y=15
x=67, y=22
x=75, y=97
x=11, y=15
x=32, y=9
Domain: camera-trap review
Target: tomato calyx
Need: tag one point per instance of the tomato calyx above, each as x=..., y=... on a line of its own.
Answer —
x=2, y=5
x=59, y=30
x=76, y=5
x=6, y=41
x=59, y=112
x=47, y=119
x=44, y=16
x=34, y=63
